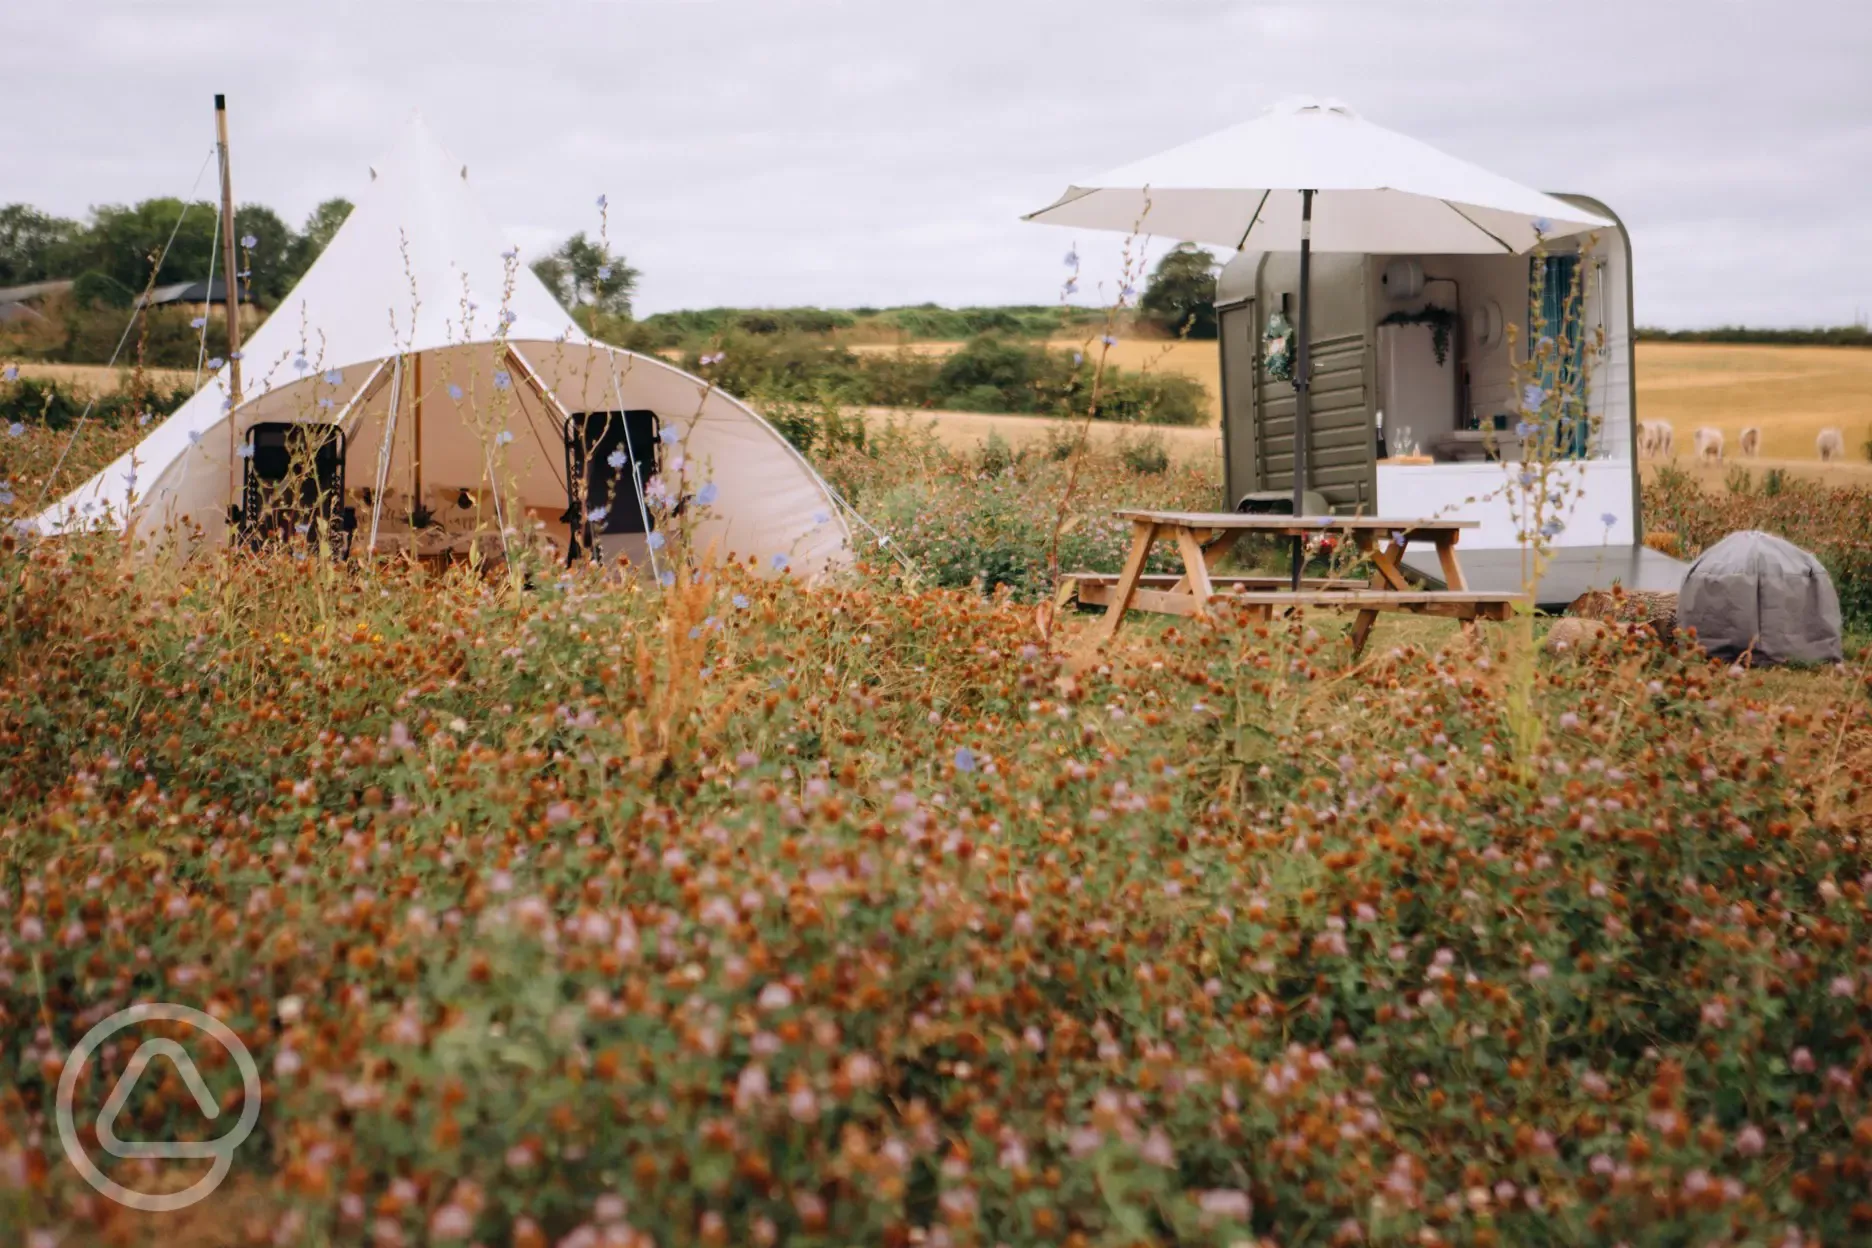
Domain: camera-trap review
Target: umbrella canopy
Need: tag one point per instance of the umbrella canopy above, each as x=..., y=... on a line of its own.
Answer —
x=1375, y=191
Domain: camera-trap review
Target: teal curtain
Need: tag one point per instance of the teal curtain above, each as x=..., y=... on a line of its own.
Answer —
x=1550, y=289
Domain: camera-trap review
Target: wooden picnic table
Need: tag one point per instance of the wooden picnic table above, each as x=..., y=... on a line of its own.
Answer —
x=1203, y=538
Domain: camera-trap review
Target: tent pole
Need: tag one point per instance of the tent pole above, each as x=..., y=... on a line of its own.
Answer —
x=1303, y=382
x=230, y=282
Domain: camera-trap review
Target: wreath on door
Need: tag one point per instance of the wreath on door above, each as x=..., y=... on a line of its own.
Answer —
x=1277, y=346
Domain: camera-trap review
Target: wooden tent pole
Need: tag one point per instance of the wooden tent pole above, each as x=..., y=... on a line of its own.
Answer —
x=230, y=280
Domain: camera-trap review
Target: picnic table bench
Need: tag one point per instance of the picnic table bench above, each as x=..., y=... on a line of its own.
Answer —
x=1203, y=538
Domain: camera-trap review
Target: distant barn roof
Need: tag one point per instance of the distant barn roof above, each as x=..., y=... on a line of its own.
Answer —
x=33, y=290
x=191, y=292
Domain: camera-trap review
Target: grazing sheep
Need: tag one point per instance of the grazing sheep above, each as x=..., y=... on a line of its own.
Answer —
x=1666, y=440
x=1751, y=442
x=1709, y=445
x=1830, y=445
x=1654, y=439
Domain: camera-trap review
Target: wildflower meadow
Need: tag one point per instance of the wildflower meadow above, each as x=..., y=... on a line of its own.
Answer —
x=743, y=912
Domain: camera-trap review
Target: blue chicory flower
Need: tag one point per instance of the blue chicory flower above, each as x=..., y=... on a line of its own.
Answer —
x=670, y=435
x=244, y=451
x=740, y=602
x=820, y=517
x=707, y=493
x=617, y=458
x=249, y=241
x=501, y=379
x=11, y=373
x=597, y=514
x=654, y=541
x=214, y=363
x=667, y=579
x=508, y=316
x=1072, y=257
x=333, y=376
x=503, y=437
x=301, y=363
x=779, y=563
x=604, y=272
x=1542, y=225
x=1109, y=340
x=1553, y=528
x=455, y=392
x=16, y=430
x=198, y=322
x=1608, y=519
x=964, y=758
x=1532, y=396
x=602, y=201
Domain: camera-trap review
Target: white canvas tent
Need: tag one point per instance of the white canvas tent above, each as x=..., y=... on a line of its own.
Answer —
x=452, y=369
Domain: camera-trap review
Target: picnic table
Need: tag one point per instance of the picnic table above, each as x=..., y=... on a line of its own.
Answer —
x=1203, y=538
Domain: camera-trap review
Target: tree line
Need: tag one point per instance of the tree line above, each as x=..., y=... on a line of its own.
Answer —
x=111, y=255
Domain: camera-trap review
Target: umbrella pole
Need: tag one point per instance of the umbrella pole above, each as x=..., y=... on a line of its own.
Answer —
x=1303, y=382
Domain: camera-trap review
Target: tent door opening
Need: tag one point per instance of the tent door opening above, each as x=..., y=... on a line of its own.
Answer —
x=293, y=485
x=610, y=458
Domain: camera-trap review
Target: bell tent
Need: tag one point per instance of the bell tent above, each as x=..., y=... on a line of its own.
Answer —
x=420, y=386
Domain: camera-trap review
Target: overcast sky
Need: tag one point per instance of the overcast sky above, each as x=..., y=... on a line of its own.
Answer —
x=767, y=152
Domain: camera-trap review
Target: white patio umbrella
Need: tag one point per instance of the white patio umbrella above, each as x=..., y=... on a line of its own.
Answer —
x=1312, y=174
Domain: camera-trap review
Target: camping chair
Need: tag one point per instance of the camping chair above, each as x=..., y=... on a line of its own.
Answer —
x=605, y=509
x=293, y=485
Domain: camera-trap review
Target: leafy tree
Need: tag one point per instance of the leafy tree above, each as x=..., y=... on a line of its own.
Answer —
x=94, y=289
x=1181, y=294
x=321, y=225
x=582, y=273
x=274, y=259
x=122, y=243
x=32, y=244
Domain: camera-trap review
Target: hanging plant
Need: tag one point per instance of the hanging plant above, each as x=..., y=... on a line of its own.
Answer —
x=1440, y=320
x=1277, y=345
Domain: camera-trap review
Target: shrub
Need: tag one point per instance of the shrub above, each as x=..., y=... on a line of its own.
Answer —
x=818, y=425
x=56, y=405
x=994, y=375
x=1146, y=456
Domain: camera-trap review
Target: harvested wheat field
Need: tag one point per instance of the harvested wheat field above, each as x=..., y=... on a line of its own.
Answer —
x=964, y=431
x=1790, y=392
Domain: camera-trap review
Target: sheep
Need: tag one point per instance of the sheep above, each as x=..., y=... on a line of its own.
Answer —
x=1653, y=438
x=1830, y=445
x=1751, y=442
x=1666, y=440
x=1709, y=445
